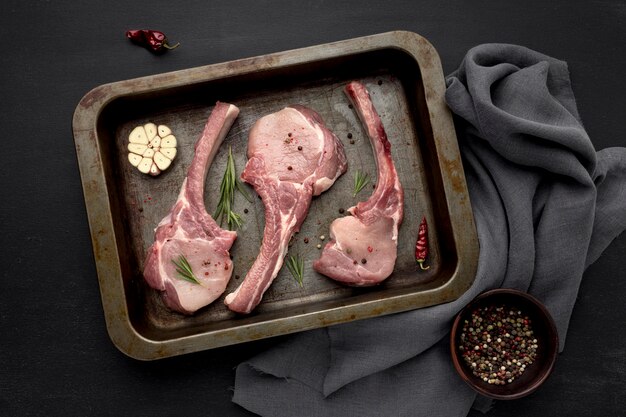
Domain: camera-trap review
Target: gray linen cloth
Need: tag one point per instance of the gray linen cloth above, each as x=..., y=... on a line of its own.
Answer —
x=546, y=205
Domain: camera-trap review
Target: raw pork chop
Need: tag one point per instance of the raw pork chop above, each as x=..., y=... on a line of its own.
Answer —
x=190, y=231
x=363, y=247
x=292, y=157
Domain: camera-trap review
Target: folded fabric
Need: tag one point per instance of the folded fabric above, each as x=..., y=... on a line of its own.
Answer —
x=546, y=205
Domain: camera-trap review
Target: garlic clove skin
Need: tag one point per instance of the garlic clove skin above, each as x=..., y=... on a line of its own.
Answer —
x=154, y=170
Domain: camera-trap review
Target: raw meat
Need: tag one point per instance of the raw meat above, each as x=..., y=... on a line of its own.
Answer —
x=190, y=231
x=292, y=157
x=363, y=247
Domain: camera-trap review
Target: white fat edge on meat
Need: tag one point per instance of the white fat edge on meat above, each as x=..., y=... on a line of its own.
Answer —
x=179, y=234
x=332, y=234
x=317, y=128
x=327, y=182
x=396, y=213
x=396, y=222
x=287, y=228
x=279, y=262
x=159, y=244
x=323, y=183
x=230, y=297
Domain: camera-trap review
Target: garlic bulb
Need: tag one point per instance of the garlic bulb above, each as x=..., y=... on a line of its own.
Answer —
x=151, y=148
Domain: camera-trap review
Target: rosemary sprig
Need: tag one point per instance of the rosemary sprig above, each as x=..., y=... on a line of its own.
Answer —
x=184, y=270
x=360, y=181
x=229, y=184
x=295, y=264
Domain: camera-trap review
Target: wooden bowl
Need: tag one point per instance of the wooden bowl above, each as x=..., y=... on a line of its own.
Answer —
x=544, y=331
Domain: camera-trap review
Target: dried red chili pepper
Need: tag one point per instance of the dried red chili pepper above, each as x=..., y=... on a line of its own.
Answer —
x=151, y=39
x=421, y=246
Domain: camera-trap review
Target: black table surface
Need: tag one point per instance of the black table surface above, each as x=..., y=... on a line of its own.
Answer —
x=55, y=355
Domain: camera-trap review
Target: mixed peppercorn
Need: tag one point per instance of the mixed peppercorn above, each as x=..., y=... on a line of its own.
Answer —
x=498, y=344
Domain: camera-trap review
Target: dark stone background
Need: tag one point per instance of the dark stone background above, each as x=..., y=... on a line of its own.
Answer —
x=55, y=355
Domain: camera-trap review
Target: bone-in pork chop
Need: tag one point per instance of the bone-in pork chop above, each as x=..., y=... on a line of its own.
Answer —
x=363, y=247
x=292, y=157
x=189, y=234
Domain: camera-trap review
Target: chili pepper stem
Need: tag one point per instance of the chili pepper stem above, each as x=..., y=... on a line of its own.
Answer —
x=421, y=263
x=168, y=46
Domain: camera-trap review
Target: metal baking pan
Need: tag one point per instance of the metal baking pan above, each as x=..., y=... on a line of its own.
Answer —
x=404, y=76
